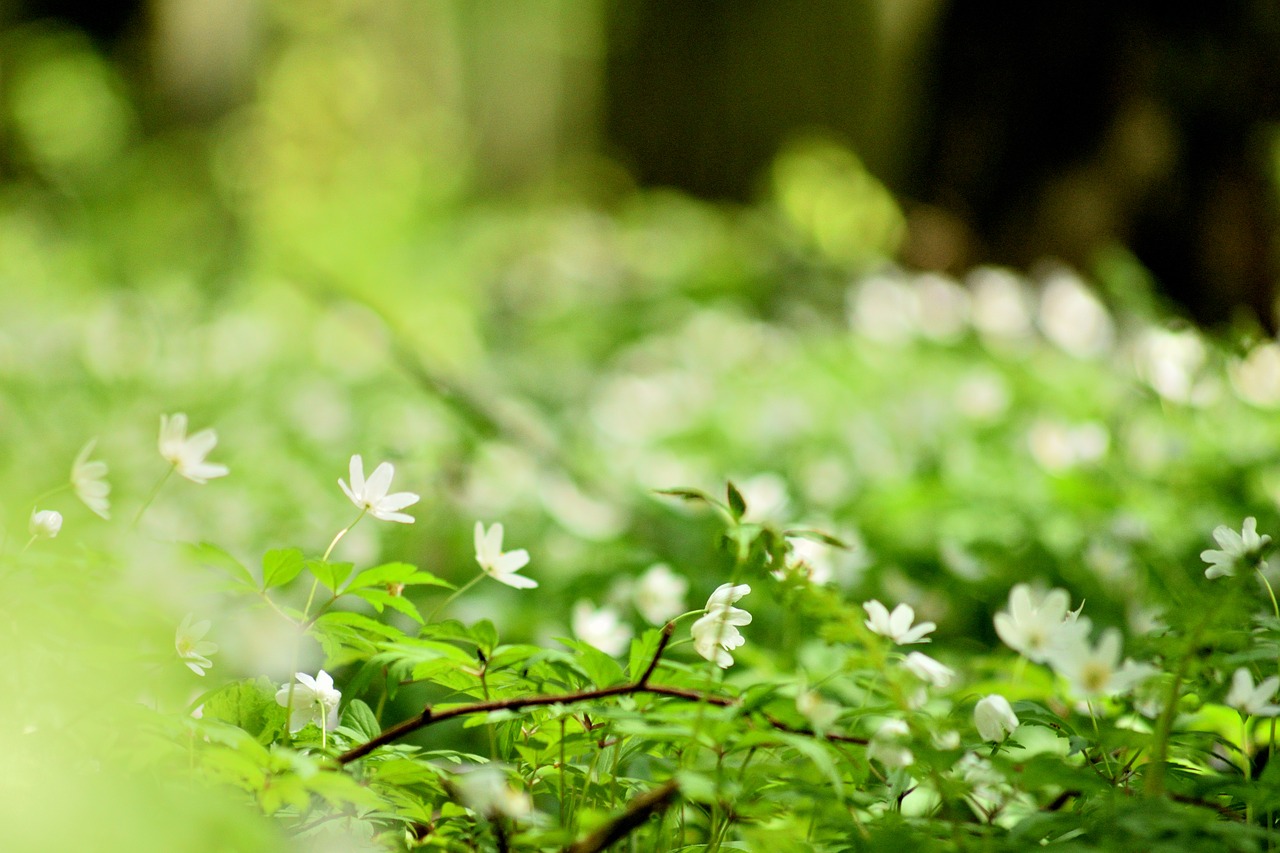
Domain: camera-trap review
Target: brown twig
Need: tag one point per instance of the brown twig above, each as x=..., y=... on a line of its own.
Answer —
x=430, y=717
x=634, y=815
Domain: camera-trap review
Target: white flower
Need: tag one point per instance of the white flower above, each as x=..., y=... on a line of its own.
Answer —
x=994, y=718
x=371, y=495
x=191, y=645
x=820, y=713
x=601, y=628
x=186, y=454
x=1033, y=622
x=1253, y=701
x=1094, y=671
x=716, y=633
x=927, y=669
x=314, y=701
x=88, y=481
x=887, y=745
x=1238, y=549
x=896, y=625
x=659, y=594
x=498, y=564
x=44, y=524
x=486, y=791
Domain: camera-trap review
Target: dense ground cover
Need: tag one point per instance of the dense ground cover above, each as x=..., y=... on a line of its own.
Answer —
x=823, y=560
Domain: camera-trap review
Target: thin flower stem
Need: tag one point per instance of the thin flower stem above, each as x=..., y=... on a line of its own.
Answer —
x=1275, y=607
x=1098, y=733
x=457, y=592
x=343, y=532
x=30, y=542
x=155, y=491
x=50, y=493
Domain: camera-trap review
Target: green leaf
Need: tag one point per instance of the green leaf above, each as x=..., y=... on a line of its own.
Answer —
x=208, y=554
x=330, y=574
x=280, y=566
x=815, y=536
x=686, y=494
x=600, y=668
x=737, y=503
x=485, y=635
x=395, y=573
x=642, y=650
x=380, y=598
x=359, y=718
x=820, y=756
x=250, y=705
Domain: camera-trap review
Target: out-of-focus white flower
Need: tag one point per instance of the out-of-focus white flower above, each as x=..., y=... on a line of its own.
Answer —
x=949, y=739
x=1001, y=304
x=88, y=479
x=927, y=669
x=889, y=745
x=487, y=791
x=1094, y=671
x=314, y=701
x=186, y=453
x=821, y=713
x=994, y=718
x=659, y=594
x=883, y=308
x=897, y=625
x=1253, y=701
x=1256, y=378
x=766, y=496
x=988, y=790
x=44, y=524
x=1032, y=623
x=716, y=633
x=1058, y=447
x=1169, y=362
x=1072, y=317
x=601, y=628
x=371, y=495
x=1239, y=550
x=942, y=307
x=809, y=560
x=501, y=565
x=191, y=645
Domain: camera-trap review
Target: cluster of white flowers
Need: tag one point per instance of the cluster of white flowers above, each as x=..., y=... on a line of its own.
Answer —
x=716, y=633
x=1043, y=630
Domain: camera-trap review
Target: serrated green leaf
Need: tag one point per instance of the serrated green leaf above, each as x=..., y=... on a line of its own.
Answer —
x=485, y=636
x=249, y=705
x=817, y=752
x=360, y=718
x=603, y=670
x=642, y=651
x=208, y=554
x=281, y=566
x=395, y=573
x=380, y=598
x=330, y=574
